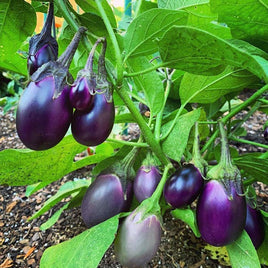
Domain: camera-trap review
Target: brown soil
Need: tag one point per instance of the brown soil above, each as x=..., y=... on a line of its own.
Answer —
x=22, y=243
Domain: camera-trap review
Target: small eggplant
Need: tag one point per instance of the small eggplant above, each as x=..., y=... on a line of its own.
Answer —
x=145, y=182
x=138, y=239
x=265, y=134
x=255, y=226
x=104, y=199
x=183, y=187
x=43, y=47
x=221, y=216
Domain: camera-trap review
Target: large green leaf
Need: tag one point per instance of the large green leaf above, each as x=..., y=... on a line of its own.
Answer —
x=65, y=190
x=207, y=89
x=242, y=253
x=263, y=249
x=144, y=31
x=150, y=83
x=200, y=52
x=176, y=142
x=180, y=4
x=84, y=250
x=23, y=166
x=254, y=167
x=247, y=19
x=14, y=29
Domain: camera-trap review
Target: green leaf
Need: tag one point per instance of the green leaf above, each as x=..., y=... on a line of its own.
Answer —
x=254, y=167
x=53, y=219
x=124, y=118
x=187, y=216
x=247, y=19
x=65, y=190
x=242, y=253
x=180, y=4
x=14, y=29
x=200, y=52
x=145, y=30
x=263, y=249
x=85, y=250
x=208, y=89
x=150, y=83
x=23, y=166
x=176, y=142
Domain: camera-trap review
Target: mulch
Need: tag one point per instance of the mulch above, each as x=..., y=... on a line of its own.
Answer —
x=22, y=243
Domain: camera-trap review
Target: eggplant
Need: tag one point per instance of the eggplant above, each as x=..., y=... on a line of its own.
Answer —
x=104, y=199
x=255, y=226
x=183, y=187
x=145, y=182
x=138, y=239
x=221, y=216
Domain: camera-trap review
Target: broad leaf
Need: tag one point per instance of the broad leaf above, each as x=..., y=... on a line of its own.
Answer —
x=242, y=253
x=65, y=190
x=247, y=19
x=263, y=249
x=188, y=216
x=84, y=250
x=254, y=167
x=145, y=30
x=208, y=89
x=23, y=166
x=180, y=4
x=176, y=142
x=150, y=83
x=14, y=29
x=124, y=118
x=199, y=52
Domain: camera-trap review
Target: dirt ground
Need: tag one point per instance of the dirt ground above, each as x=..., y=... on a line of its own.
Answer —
x=22, y=243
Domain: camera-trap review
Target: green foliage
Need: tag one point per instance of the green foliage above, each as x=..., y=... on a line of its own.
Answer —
x=84, y=250
x=242, y=252
x=262, y=250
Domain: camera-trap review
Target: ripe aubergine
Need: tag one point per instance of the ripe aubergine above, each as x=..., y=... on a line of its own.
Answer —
x=183, y=187
x=43, y=47
x=41, y=120
x=255, y=226
x=146, y=182
x=220, y=217
x=93, y=126
x=265, y=134
x=138, y=239
x=104, y=199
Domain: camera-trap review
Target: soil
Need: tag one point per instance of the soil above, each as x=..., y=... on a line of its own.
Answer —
x=22, y=243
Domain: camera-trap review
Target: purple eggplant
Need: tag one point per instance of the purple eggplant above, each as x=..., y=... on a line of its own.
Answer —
x=220, y=216
x=93, y=126
x=145, y=182
x=43, y=47
x=80, y=96
x=104, y=199
x=44, y=112
x=255, y=226
x=41, y=120
x=265, y=134
x=183, y=187
x=138, y=239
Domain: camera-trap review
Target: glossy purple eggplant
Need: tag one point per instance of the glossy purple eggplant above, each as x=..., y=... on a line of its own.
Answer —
x=265, y=134
x=183, y=187
x=255, y=226
x=138, y=240
x=145, y=182
x=80, y=96
x=220, y=217
x=43, y=47
x=41, y=120
x=93, y=126
x=104, y=199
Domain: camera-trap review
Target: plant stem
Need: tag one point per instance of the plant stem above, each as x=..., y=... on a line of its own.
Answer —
x=239, y=108
x=119, y=63
x=129, y=143
x=148, y=135
x=249, y=142
x=159, y=116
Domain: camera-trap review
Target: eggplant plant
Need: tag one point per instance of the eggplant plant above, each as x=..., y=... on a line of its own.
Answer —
x=175, y=71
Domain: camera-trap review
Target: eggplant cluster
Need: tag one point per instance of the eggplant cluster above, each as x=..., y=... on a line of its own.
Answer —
x=45, y=109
